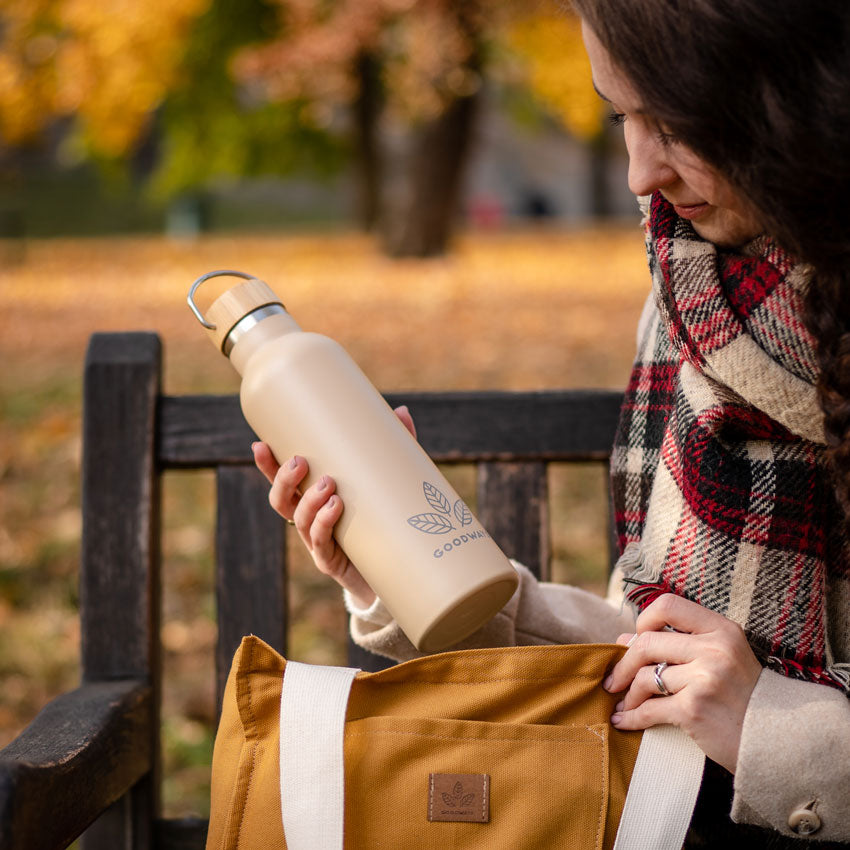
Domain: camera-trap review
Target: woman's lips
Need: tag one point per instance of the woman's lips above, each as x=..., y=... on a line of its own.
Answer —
x=691, y=211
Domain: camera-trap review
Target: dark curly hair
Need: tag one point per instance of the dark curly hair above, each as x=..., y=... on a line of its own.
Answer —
x=760, y=90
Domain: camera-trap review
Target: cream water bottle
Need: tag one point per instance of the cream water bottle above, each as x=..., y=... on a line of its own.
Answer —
x=409, y=533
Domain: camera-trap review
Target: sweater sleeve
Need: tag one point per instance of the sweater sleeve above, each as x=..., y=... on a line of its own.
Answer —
x=537, y=613
x=795, y=755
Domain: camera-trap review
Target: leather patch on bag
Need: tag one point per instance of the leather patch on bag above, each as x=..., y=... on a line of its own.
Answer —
x=459, y=797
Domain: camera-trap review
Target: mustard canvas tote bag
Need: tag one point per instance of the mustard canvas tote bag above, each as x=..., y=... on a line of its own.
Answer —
x=487, y=748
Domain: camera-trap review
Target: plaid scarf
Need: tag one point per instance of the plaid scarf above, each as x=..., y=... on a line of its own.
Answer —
x=720, y=486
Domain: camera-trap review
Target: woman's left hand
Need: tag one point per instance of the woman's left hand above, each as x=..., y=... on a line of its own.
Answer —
x=711, y=675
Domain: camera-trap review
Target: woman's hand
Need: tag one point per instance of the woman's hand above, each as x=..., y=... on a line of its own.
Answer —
x=315, y=512
x=711, y=675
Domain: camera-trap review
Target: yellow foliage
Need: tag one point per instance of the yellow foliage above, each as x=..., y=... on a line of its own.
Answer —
x=26, y=73
x=424, y=46
x=426, y=68
x=110, y=63
x=558, y=70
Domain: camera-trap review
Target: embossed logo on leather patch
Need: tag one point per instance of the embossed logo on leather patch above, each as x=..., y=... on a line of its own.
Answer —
x=459, y=797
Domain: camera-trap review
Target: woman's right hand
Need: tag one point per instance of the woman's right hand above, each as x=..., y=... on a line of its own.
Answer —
x=315, y=512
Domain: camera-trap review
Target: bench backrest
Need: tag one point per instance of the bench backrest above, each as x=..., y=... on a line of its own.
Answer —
x=133, y=434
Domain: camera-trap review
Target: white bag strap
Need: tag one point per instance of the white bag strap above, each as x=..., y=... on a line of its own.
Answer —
x=662, y=792
x=313, y=700
x=658, y=808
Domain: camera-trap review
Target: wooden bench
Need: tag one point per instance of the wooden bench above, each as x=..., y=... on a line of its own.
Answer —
x=89, y=762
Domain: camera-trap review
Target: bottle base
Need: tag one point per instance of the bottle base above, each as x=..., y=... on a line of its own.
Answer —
x=466, y=615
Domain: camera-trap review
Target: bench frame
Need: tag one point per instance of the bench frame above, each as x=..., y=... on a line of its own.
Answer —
x=89, y=762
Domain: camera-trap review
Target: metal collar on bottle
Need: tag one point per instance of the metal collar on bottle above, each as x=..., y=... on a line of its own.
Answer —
x=246, y=323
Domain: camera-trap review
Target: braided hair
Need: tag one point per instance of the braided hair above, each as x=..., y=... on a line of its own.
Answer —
x=760, y=90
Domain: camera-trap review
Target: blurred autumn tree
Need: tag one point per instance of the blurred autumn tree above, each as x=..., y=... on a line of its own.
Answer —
x=108, y=64
x=557, y=72
x=212, y=125
x=411, y=69
x=413, y=73
x=249, y=87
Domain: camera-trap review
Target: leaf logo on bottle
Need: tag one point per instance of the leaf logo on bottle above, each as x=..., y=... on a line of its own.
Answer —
x=440, y=520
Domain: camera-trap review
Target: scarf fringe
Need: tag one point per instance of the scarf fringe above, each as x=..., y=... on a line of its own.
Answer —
x=642, y=584
x=643, y=594
x=837, y=676
x=634, y=567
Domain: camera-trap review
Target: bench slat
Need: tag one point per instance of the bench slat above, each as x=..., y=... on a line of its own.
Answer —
x=120, y=541
x=120, y=558
x=251, y=586
x=513, y=505
x=199, y=431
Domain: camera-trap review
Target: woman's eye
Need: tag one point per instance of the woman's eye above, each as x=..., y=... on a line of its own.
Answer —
x=665, y=137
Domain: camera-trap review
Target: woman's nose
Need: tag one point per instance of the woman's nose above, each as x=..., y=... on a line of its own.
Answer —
x=649, y=167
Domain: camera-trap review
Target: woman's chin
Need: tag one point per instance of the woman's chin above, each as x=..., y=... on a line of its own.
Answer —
x=725, y=228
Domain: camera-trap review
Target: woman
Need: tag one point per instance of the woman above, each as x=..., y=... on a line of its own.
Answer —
x=731, y=469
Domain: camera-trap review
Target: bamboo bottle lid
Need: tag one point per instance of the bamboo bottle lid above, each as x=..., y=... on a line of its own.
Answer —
x=235, y=304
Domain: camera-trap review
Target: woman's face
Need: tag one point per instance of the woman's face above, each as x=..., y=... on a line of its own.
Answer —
x=657, y=162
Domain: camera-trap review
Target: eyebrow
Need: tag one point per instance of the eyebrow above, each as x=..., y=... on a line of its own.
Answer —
x=638, y=111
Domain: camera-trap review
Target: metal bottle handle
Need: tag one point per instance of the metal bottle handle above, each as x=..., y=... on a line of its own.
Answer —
x=204, y=277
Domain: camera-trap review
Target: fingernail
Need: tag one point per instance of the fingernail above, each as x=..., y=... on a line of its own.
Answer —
x=294, y=462
x=254, y=446
x=331, y=503
x=608, y=682
x=616, y=719
x=323, y=483
x=619, y=706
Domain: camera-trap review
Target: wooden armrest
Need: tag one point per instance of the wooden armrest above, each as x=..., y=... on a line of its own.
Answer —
x=79, y=755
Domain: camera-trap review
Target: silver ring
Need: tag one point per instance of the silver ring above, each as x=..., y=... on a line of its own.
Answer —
x=659, y=682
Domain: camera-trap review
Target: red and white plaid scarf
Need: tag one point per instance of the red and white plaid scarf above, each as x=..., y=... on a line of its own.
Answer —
x=719, y=478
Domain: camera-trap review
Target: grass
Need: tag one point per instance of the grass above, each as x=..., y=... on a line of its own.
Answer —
x=524, y=310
